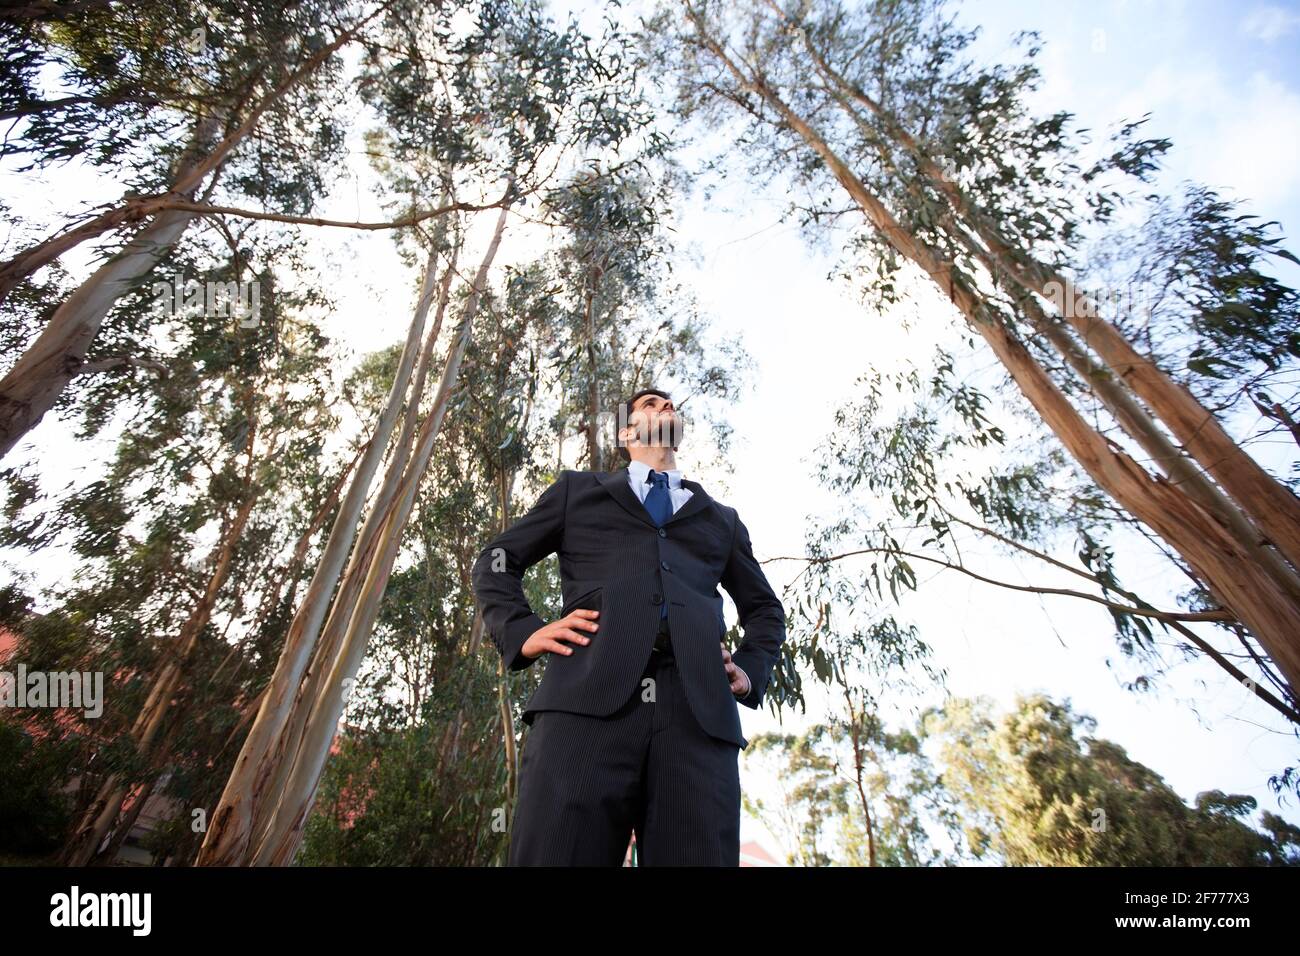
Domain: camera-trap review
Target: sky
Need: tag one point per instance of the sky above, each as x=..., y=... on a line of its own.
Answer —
x=1219, y=79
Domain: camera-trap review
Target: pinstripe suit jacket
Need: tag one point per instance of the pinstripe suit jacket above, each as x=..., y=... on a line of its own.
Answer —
x=614, y=559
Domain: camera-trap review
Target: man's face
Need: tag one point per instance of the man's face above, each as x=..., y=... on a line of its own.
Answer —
x=656, y=421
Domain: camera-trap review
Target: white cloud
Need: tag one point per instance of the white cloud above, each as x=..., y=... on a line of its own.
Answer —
x=1243, y=139
x=1269, y=23
x=1260, y=144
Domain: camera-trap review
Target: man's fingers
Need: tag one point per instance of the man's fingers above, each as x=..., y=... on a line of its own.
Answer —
x=568, y=634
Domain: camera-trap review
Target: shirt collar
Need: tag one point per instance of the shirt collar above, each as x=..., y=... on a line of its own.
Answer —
x=641, y=471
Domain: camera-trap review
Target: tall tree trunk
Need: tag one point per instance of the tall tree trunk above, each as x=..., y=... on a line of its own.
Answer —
x=336, y=624
x=594, y=457
x=1241, y=585
x=160, y=704
x=857, y=727
x=25, y=263
x=1131, y=415
x=39, y=377
x=231, y=826
x=123, y=829
x=1139, y=425
x=191, y=171
x=270, y=794
x=1270, y=505
x=107, y=805
x=294, y=805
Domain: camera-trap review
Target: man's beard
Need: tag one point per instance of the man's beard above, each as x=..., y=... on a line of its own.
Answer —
x=666, y=432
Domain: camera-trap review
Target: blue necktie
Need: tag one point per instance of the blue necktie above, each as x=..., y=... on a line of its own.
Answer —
x=660, y=505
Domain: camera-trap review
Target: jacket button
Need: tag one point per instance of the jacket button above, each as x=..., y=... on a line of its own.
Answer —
x=663, y=533
x=664, y=565
x=656, y=599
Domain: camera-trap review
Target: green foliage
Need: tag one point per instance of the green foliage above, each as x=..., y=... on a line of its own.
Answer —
x=139, y=74
x=1032, y=787
x=237, y=422
x=34, y=810
x=977, y=198
x=1196, y=290
x=1037, y=789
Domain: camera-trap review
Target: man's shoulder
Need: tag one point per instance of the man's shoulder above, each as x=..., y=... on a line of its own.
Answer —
x=579, y=474
x=725, y=509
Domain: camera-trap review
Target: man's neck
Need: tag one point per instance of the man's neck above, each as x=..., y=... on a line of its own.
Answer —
x=657, y=459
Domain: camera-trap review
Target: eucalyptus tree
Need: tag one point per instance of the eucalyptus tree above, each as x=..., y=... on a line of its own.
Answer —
x=953, y=180
x=465, y=100
x=529, y=352
x=963, y=785
x=879, y=803
x=612, y=263
x=1036, y=787
x=193, y=536
x=430, y=736
x=187, y=104
x=424, y=738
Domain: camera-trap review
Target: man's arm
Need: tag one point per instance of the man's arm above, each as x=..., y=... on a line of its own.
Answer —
x=761, y=616
x=498, y=574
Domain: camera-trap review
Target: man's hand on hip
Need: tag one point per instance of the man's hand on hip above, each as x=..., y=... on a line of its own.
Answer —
x=547, y=639
x=738, y=679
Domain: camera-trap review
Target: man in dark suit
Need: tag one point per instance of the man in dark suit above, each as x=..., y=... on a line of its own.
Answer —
x=635, y=726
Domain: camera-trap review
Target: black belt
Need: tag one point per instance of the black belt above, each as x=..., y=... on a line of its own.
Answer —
x=662, y=641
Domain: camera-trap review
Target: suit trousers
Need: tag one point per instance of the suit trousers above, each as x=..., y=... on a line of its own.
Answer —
x=586, y=784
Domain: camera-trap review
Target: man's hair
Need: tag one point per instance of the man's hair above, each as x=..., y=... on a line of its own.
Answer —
x=625, y=417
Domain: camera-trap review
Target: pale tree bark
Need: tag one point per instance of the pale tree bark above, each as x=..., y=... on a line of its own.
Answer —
x=335, y=629
x=294, y=806
x=190, y=173
x=25, y=263
x=259, y=820
x=1243, y=586
x=231, y=825
x=289, y=575
x=141, y=796
x=34, y=384
x=58, y=354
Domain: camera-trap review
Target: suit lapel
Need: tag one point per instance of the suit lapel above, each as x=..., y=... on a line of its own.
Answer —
x=616, y=483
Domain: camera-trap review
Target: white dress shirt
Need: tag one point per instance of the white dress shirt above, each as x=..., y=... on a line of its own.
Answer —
x=638, y=473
